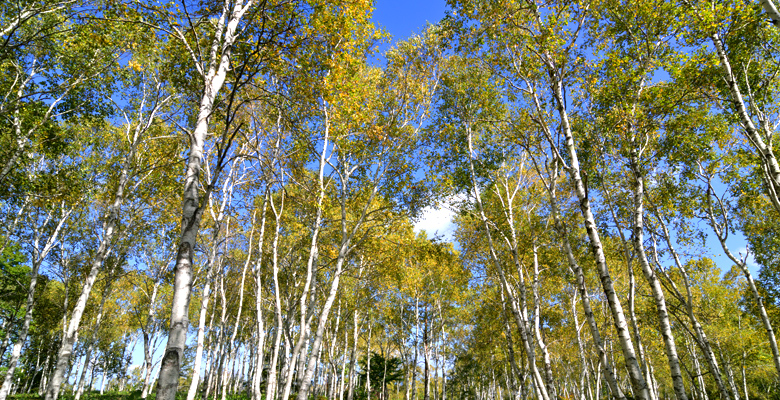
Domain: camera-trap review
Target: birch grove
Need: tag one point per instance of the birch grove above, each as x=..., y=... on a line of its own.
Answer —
x=274, y=200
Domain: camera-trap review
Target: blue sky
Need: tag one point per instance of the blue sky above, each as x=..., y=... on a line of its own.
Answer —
x=402, y=18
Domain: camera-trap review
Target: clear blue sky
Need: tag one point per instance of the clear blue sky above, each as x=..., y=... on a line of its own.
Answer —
x=402, y=18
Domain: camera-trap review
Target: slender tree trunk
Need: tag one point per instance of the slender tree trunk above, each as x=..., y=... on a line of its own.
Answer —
x=109, y=230
x=699, y=377
x=192, y=209
x=260, y=344
x=426, y=357
x=638, y=382
x=771, y=179
x=744, y=377
x=103, y=376
x=303, y=391
x=514, y=369
x=221, y=355
x=521, y=316
x=83, y=376
x=218, y=216
x=353, y=356
x=576, y=269
x=344, y=364
x=271, y=388
x=38, y=258
x=729, y=372
x=652, y=279
x=231, y=342
x=368, y=360
x=413, y=383
x=548, y=377
x=700, y=336
x=147, y=364
x=584, y=384
x=98, y=320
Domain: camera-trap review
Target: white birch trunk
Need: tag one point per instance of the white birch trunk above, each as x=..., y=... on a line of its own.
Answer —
x=652, y=279
x=699, y=335
x=271, y=388
x=260, y=344
x=638, y=382
x=109, y=228
x=604, y=361
x=38, y=257
x=521, y=317
x=231, y=342
x=88, y=354
x=353, y=355
x=218, y=216
x=192, y=209
x=345, y=249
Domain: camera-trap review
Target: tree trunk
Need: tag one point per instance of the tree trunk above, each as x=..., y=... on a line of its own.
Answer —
x=109, y=229
x=353, y=356
x=426, y=360
x=700, y=336
x=231, y=342
x=38, y=259
x=368, y=360
x=192, y=209
x=520, y=315
x=87, y=356
x=227, y=195
x=652, y=279
x=638, y=382
x=574, y=266
x=729, y=372
x=548, y=377
x=303, y=391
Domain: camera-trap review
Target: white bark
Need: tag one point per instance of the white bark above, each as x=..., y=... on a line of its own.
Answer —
x=39, y=255
x=231, y=343
x=548, y=378
x=554, y=71
x=771, y=11
x=348, y=234
x=305, y=314
x=771, y=179
x=109, y=228
x=655, y=285
x=271, y=388
x=260, y=344
x=91, y=344
x=638, y=382
x=192, y=210
x=721, y=232
x=520, y=316
x=218, y=216
x=148, y=339
x=604, y=361
x=700, y=336
x=514, y=382
x=353, y=355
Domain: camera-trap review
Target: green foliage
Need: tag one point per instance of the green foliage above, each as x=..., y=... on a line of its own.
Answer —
x=384, y=370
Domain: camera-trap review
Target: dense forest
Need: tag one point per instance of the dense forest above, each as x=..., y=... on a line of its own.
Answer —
x=217, y=200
